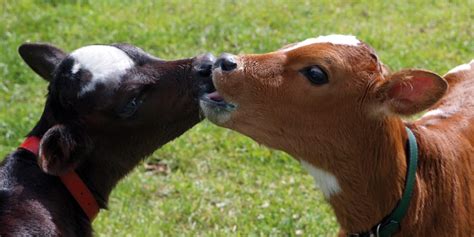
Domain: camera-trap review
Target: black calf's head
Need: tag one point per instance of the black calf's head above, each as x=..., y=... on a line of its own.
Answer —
x=117, y=96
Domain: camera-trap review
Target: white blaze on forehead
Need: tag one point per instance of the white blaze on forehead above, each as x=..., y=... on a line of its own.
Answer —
x=326, y=181
x=463, y=67
x=76, y=68
x=104, y=63
x=349, y=40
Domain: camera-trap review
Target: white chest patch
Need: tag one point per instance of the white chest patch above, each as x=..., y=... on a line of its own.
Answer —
x=103, y=61
x=463, y=67
x=332, y=39
x=326, y=181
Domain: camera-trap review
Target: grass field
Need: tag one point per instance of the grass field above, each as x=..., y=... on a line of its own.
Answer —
x=219, y=183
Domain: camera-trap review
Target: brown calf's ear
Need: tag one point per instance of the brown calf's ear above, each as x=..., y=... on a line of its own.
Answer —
x=42, y=58
x=408, y=92
x=62, y=149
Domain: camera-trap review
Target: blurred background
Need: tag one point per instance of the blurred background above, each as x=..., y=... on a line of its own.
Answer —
x=211, y=181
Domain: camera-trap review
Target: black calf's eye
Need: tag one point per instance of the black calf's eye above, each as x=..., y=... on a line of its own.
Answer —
x=130, y=108
x=315, y=75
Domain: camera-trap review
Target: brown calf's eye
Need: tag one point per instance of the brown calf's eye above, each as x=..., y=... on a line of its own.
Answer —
x=315, y=75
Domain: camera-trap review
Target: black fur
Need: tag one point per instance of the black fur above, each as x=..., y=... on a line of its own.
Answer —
x=86, y=134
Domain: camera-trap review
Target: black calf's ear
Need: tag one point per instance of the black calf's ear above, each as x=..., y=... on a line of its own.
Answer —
x=62, y=149
x=42, y=58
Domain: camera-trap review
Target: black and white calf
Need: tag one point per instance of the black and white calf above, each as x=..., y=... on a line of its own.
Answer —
x=108, y=107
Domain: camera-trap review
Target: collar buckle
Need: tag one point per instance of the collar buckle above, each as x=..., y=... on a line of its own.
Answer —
x=377, y=230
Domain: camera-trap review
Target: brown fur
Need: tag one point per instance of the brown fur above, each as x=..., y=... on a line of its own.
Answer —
x=352, y=128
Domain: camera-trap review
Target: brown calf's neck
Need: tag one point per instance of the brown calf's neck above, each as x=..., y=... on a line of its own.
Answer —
x=370, y=168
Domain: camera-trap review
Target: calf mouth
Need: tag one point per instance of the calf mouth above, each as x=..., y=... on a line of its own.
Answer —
x=214, y=106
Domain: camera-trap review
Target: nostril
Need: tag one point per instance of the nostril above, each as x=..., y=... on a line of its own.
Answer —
x=228, y=65
x=203, y=64
x=205, y=70
x=227, y=62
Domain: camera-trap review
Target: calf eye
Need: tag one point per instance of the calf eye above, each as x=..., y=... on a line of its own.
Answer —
x=315, y=75
x=130, y=108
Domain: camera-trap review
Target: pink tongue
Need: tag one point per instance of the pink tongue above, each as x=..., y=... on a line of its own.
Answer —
x=215, y=96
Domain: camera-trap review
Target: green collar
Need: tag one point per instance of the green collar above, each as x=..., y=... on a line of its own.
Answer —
x=391, y=223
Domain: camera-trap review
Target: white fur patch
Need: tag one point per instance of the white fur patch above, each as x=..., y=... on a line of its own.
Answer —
x=75, y=68
x=463, y=67
x=326, y=181
x=332, y=39
x=435, y=112
x=103, y=61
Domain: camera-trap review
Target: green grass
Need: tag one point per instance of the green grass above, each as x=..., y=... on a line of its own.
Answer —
x=219, y=183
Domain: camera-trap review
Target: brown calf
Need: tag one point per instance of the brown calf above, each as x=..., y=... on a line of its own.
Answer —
x=107, y=108
x=330, y=103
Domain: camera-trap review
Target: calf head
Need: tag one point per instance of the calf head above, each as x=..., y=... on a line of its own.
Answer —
x=112, y=99
x=314, y=91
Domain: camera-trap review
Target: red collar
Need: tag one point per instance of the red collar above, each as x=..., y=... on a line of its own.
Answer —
x=71, y=180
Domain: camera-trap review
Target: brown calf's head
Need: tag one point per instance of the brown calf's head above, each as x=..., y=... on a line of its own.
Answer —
x=113, y=99
x=316, y=90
